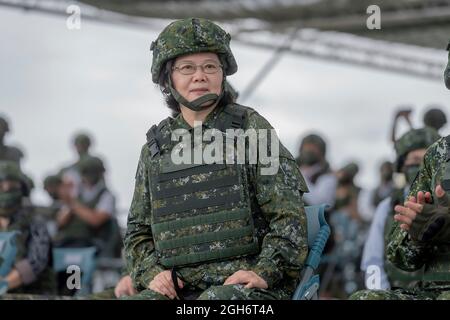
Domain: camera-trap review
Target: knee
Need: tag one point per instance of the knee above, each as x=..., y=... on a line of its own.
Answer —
x=219, y=293
x=369, y=295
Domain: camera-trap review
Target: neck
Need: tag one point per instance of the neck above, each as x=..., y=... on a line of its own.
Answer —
x=190, y=116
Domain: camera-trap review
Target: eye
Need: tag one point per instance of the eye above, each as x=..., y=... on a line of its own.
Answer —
x=187, y=67
x=210, y=67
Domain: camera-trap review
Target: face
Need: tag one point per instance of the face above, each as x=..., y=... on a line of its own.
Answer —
x=199, y=83
x=415, y=157
x=9, y=185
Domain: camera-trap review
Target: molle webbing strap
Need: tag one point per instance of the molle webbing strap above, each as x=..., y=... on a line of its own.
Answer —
x=447, y=139
x=210, y=255
x=195, y=187
x=236, y=120
x=207, y=237
x=211, y=218
x=192, y=171
x=223, y=201
x=446, y=178
x=155, y=139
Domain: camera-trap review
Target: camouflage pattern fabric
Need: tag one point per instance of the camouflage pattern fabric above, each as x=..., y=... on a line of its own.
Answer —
x=192, y=35
x=278, y=216
x=400, y=294
x=447, y=70
x=230, y=292
x=407, y=254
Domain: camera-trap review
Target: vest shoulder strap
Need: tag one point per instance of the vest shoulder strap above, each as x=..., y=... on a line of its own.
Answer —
x=447, y=139
x=155, y=138
x=237, y=117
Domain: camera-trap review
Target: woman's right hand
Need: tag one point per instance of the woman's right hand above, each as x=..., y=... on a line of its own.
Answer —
x=163, y=284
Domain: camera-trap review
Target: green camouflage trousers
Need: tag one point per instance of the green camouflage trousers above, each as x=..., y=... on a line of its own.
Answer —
x=229, y=292
x=400, y=294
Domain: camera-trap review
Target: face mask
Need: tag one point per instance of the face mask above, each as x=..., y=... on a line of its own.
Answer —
x=8, y=201
x=411, y=172
x=309, y=158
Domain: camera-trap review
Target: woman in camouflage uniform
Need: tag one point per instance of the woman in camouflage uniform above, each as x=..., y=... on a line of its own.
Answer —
x=210, y=230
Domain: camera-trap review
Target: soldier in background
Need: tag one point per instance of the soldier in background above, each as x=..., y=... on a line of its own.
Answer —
x=31, y=272
x=8, y=152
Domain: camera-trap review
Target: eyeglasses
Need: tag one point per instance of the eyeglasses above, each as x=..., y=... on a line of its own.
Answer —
x=191, y=68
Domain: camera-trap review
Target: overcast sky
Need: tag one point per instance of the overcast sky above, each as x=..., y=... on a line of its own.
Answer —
x=55, y=82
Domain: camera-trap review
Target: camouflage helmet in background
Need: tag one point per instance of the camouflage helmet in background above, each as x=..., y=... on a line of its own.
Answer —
x=413, y=140
x=10, y=170
x=316, y=140
x=350, y=169
x=90, y=165
x=4, y=127
x=82, y=139
x=434, y=117
x=192, y=35
x=52, y=180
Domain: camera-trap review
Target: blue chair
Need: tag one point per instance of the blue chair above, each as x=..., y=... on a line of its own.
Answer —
x=318, y=233
x=8, y=251
x=84, y=258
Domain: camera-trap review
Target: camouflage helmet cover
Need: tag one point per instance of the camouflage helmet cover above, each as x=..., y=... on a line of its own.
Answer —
x=10, y=170
x=4, y=127
x=82, y=139
x=316, y=140
x=91, y=165
x=192, y=35
x=413, y=140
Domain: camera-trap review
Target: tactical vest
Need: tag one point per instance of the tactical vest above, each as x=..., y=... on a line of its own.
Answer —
x=199, y=212
x=398, y=278
x=438, y=268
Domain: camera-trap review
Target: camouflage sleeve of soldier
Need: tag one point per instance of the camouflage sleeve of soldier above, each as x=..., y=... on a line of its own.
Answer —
x=402, y=251
x=284, y=248
x=139, y=245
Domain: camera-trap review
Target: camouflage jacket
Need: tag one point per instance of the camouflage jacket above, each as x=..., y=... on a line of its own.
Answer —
x=402, y=251
x=277, y=210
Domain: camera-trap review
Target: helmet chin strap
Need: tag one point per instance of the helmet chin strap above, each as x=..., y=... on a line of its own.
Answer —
x=199, y=103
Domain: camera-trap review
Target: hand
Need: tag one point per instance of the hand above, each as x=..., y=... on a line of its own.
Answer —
x=163, y=284
x=249, y=278
x=408, y=213
x=124, y=287
x=65, y=192
x=424, y=221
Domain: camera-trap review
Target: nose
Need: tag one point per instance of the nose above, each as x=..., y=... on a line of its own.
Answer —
x=199, y=75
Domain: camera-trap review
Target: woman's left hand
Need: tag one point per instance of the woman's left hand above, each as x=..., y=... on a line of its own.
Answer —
x=249, y=278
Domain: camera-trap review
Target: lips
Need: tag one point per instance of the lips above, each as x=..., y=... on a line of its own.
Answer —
x=199, y=90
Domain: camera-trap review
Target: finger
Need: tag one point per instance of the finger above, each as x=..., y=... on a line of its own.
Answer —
x=404, y=219
x=168, y=284
x=412, y=199
x=157, y=286
x=420, y=197
x=428, y=198
x=404, y=211
x=180, y=283
x=231, y=280
x=416, y=207
x=442, y=196
x=165, y=290
x=404, y=227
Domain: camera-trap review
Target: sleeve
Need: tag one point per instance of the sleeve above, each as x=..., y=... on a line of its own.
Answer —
x=279, y=196
x=139, y=246
x=373, y=253
x=402, y=251
x=37, y=256
x=107, y=203
x=323, y=191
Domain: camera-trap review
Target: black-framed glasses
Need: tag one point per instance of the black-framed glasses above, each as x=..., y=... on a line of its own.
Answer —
x=191, y=68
